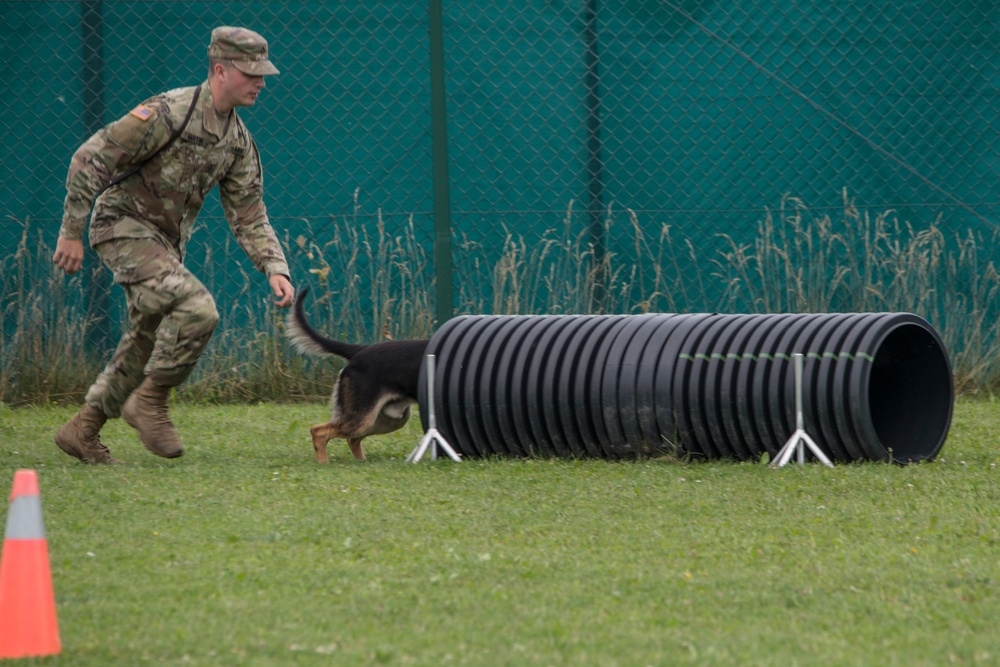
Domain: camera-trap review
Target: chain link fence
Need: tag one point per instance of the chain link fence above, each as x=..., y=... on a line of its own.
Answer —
x=588, y=155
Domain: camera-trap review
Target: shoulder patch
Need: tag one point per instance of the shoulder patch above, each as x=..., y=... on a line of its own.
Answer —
x=142, y=112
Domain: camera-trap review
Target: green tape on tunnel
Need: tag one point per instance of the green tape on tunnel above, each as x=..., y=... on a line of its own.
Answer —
x=779, y=356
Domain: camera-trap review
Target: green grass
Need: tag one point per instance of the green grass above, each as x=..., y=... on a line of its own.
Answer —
x=247, y=552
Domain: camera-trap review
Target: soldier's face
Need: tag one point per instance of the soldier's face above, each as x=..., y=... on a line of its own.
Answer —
x=243, y=89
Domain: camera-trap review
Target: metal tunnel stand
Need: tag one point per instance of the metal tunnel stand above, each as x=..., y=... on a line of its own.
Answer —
x=432, y=438
x=800, y=440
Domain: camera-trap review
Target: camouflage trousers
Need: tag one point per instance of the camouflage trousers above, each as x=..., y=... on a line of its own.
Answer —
x=171, y=318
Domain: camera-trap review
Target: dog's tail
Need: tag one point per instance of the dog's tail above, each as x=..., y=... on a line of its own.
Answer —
x=309, y=341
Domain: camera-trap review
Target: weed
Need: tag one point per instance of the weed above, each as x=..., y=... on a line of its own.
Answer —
x=373, y=279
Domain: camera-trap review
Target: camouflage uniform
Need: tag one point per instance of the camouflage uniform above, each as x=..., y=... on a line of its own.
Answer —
x=141, y=226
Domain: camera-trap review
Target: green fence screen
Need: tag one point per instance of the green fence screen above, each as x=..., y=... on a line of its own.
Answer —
x=615, y=155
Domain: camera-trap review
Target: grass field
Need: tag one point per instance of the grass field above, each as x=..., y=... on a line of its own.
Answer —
x=246, y=552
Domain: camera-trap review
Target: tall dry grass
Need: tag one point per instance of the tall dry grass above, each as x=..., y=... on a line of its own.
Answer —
x=42, y=328
x=862, y=261
x=372, y=278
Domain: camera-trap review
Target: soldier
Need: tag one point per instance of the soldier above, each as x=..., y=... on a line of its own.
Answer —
x=161, y=160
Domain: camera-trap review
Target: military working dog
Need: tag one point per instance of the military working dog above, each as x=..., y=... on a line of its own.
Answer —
x=373, y=393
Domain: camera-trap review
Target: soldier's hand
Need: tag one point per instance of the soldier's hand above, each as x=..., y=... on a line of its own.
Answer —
x=69, y=255
x=283, y=290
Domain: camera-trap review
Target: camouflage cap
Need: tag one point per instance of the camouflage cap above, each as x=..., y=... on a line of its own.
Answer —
x=246, y=49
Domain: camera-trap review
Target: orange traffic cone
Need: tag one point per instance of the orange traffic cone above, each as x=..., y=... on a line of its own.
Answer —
x=28, y=625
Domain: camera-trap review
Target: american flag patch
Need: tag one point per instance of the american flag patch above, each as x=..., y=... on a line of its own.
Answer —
x=142, y=112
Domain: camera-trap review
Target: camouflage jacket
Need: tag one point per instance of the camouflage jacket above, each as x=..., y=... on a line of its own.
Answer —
x=164, y=197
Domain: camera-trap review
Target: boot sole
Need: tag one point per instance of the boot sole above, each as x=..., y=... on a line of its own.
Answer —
x=82, y=457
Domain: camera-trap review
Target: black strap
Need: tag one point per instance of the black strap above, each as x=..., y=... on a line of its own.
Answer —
x=173, y=137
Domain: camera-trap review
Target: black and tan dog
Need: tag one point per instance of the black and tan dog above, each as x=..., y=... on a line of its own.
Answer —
x=374, y=391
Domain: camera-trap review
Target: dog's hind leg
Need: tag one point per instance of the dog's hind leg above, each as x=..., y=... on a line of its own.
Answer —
x=322, y=434
x=356, y=448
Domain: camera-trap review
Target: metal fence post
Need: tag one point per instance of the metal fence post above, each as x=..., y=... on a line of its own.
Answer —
x=96, y=280
x=439, y=140
x=595, y=161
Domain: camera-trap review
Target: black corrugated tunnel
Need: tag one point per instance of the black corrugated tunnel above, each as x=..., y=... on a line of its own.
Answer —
x=876, y=386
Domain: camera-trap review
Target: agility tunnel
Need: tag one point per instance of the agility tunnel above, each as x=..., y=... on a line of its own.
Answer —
x=875, y=386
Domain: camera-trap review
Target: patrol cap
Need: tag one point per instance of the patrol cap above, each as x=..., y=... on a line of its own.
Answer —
x=244, y=48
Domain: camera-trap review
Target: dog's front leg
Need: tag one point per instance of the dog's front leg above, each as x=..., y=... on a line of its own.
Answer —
x=321, y=434
x=356, y=448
